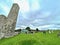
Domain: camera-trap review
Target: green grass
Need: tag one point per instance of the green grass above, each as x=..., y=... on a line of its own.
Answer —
x=32, y=39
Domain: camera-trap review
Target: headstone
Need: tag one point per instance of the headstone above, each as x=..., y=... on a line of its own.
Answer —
x=49, y=31
x=58, y=35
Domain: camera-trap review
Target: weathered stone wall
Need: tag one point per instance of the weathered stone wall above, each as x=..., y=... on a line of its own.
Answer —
x=2, y=25
x=11, y=20
x=7, y=24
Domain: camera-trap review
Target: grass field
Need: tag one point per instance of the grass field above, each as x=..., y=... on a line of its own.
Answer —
x=32, y=39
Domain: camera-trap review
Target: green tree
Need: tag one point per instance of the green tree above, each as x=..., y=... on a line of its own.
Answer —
x=28, y=28
x=37, y=29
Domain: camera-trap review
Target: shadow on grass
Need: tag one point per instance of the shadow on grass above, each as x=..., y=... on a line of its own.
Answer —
x=29, y=42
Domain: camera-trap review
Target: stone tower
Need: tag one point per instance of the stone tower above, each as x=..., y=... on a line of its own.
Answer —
x=8, y=24
x=11, y=20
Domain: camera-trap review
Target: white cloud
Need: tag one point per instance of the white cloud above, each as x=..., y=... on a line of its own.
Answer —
x=45, y=27
x=17, y=28
x=35, y=5
x=21, y=27
x=37, y=20
x=31, y=26
x=24, y=5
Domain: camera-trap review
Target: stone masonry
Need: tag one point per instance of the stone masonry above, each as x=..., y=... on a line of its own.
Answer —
x=8, y=24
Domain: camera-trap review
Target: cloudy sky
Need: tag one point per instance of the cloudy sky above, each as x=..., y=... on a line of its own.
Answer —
x=42, y=14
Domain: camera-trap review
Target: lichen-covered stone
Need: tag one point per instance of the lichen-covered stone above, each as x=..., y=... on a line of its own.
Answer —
x=8, y=24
